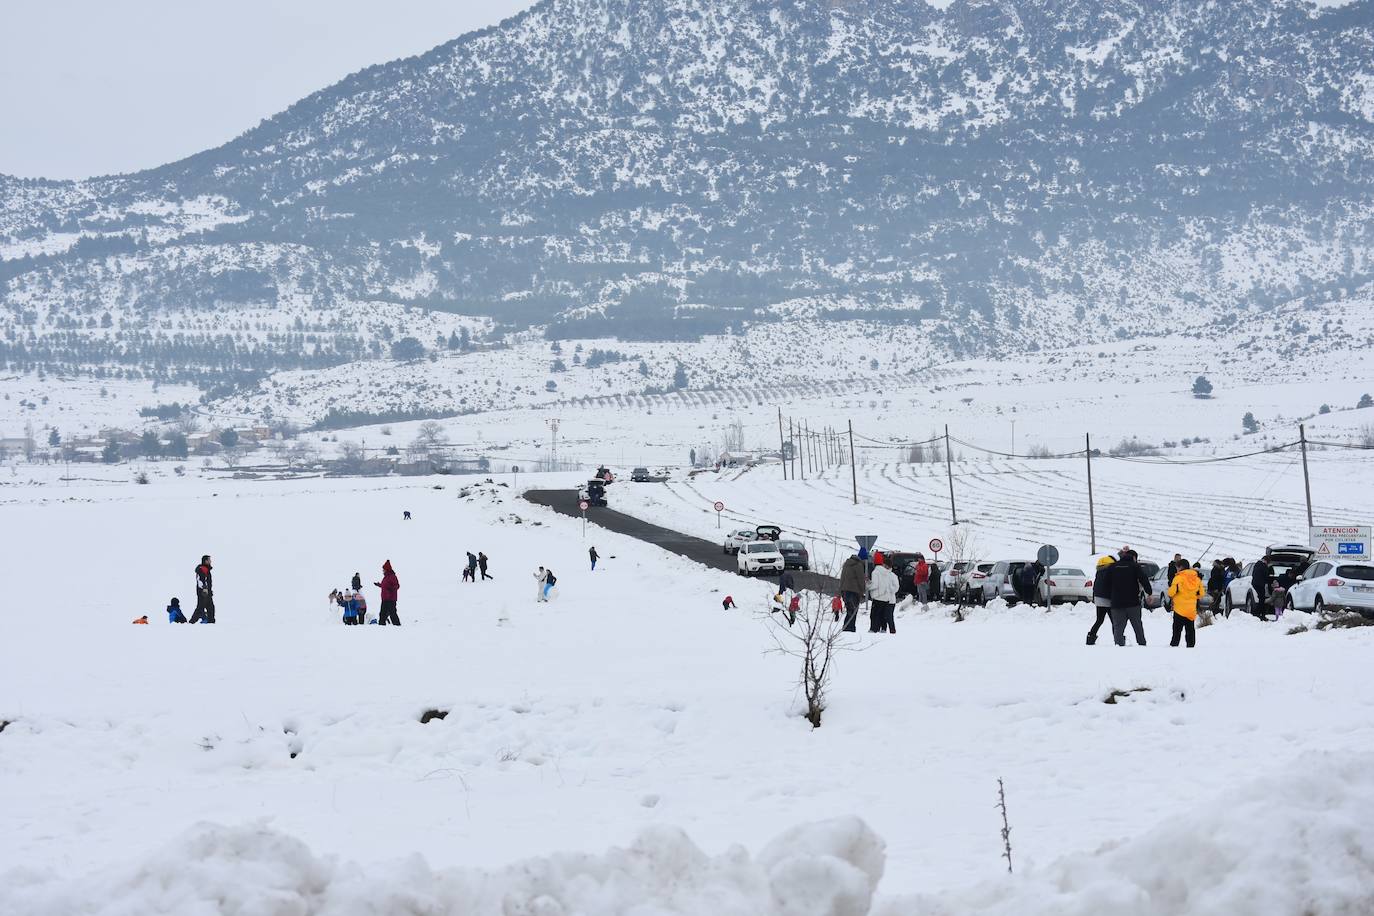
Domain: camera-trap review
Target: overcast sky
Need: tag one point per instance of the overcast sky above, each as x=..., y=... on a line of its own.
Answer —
x=93, y=87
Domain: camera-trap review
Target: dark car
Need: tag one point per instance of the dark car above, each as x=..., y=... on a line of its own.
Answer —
x=903, y=563
x=596, y=492
x=794, y=555
x=640, y=475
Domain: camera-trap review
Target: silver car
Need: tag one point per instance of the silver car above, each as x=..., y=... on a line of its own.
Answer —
x=998, y=583
x=738, y=538
x=1061, y=584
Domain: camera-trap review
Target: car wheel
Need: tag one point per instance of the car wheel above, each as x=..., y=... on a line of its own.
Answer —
x=1318, y=606
x=1226, y=604
x=1289, y=604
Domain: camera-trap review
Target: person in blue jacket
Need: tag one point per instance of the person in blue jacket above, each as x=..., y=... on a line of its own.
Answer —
x=174, y=614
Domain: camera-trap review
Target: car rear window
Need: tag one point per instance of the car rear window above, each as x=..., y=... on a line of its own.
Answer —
x=1362, y=573
x=792, y=545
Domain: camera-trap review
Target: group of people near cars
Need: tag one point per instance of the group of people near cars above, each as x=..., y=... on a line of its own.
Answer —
x=1121, y=590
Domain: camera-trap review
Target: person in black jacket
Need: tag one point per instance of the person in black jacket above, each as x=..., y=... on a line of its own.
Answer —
x=357, y=582
x=1129, y=584
x=205, y=593
x=1261, y=579
x=1102, y=595
x=1216, y=584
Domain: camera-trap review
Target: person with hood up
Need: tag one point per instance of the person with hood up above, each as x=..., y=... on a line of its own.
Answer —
x=472, y=567
x=1102, y=596
x=205, y=593
x=594, y=557
x=1129, y=583
x=174, y=614
x=1186, y=591
x=482, y=564
x=882, y=589
x=357, y=582
x=1216, y=583
x=853, y=586
x=389, y=585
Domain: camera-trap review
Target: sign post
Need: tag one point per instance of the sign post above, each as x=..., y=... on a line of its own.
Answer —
x=719, y=507
x=582, y=504
x=1048, y=555
x=1341, y=542
x=936, y=545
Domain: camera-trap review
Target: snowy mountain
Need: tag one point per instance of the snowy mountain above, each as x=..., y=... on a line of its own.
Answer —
x=663, y=170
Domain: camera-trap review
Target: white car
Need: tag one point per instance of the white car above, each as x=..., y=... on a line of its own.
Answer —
x=1240, y=592
x=736, y=539
x=1061, y=584
x=760, y=557
x=1331, y=584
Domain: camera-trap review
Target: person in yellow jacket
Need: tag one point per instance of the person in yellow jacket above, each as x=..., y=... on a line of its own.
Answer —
x=1185, y=592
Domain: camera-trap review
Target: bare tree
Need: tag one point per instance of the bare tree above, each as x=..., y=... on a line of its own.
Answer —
x=301, y=453
x=961, y=543
x=431, y=438
x=733, y=438
x=233, y=457
x=351, y=457
x=813, y=635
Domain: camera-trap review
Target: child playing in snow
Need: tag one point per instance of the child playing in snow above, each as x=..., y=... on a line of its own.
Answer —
x=728, y=603
x=174, y=614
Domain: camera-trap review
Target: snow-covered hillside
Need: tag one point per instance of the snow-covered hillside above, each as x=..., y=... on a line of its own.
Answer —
x=277, y=762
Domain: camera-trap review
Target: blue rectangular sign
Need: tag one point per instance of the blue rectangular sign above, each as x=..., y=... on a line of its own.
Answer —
x=1350, y=548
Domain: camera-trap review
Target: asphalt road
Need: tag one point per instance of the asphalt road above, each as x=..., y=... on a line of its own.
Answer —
x=708, y=553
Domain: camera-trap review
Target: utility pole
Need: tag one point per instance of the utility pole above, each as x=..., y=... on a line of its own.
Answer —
x=801, y=434
x=949, y=470
x=1306, y=481
x=553, y=453
x=782, y=446
x=792, y=438
x=853, y=473
x=1092, y=512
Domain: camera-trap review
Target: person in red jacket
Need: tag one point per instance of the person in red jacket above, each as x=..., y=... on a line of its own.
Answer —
x=921, y=578
x=389, y=585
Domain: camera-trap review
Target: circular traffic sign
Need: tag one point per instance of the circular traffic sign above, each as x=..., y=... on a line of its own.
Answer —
x=720, y=506
x=936, y=545
x=1048, y=555
x=582, y=505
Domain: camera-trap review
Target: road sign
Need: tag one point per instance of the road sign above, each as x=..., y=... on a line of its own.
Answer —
x=1048, y=555
x=866, y=541
x=582, y=505
x=720, y=506
x=1341, y=542
x=936, y=545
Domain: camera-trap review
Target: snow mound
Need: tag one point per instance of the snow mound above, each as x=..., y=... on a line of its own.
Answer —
x=823, y=869
x=1296, y=842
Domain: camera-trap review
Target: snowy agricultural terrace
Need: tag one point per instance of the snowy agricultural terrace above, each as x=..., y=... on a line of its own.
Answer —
x=628, y=747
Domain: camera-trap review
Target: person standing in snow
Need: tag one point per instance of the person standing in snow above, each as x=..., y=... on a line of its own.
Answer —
x=542, y=584
x=1216, y=584
x=389, y=585
x=1176, y=564
x=1262, y=578
x=921, y=579
x=594, y=557
x=1102, y=595
x=205, y=593
x=471, y=567
x=1186, y=591
x=882, y=589
x=357, y=582
x=853, y=586
x=1129, y=583
x=482, y=564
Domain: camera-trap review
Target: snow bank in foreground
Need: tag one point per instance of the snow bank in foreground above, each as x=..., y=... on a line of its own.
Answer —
x=1299, y=843
x=823, y=869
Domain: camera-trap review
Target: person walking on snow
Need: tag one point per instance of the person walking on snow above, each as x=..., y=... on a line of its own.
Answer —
x=205, y=593
x=543, y=581
x=482, y=564
x=595, y=556
x=1102, y=595
x=472, y=567
x=174, y=614
x=389, y=585
x=1186, y=591
x=882, y=588
x=853, y=585
x=1129, y=583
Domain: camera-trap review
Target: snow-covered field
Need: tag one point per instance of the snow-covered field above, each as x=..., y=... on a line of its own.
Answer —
x=275, y=763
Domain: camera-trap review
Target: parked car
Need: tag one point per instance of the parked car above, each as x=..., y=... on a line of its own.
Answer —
x=903, y=563
x=594, y=492
x=1062, y=584
x=640, y=475
x=794, y=555
x=1338, y=586
x=1159, y=592
x=1240, y=593
x=759, y=557
x=998, y=582
x=738, y=538
x=949, y=580
x=967, y=586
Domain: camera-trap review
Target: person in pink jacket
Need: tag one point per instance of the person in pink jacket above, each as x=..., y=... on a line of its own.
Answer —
x=389, y=585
